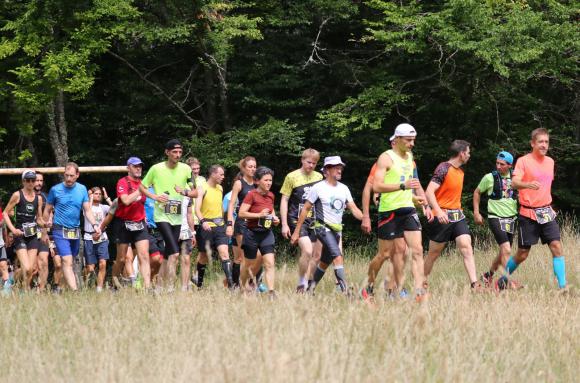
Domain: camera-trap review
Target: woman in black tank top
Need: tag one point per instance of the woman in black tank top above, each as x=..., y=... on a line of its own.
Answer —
x=25, y=225
x=240, y=189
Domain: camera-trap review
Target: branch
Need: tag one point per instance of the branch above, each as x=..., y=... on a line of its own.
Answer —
x=156, y=87
x=314, y=55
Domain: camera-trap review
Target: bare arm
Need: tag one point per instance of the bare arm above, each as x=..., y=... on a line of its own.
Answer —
x=366, y=203
x=355, y=210
x=234, y=197
x=284, y=216
x=476, y=200
x=517, y=183
x=430, y=193
x=91, y=218
x=245, y=213
x=14, y=199
x=301, y=218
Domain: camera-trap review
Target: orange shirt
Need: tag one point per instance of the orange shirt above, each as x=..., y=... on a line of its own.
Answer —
x=450, y=180
x=531, y=168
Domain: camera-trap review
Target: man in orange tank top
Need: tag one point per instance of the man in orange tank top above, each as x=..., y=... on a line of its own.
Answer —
x=533, y=178
x=444, y=196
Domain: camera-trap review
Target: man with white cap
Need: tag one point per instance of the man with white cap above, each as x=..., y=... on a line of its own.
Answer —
x=398, y=224
x=27, y=208
x=502, y=210
x=330, y=197
x=132, y=227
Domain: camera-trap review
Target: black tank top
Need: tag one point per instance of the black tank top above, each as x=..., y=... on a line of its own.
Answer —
x=246, y=188
x=24, y=211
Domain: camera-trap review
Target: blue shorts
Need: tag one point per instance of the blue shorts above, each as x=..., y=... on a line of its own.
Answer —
x=65, y=247
x=96, y=251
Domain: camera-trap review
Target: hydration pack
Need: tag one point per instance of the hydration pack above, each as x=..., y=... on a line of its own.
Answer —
x=497, y=187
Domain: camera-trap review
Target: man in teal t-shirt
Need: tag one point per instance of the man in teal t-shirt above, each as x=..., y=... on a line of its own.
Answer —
x=171, y=180
x=502, y=209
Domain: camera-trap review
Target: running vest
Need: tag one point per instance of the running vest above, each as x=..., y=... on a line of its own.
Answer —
x=24, y=211
x=246, y=188
x=400, y=171
x=211, y=205
x=498, y=188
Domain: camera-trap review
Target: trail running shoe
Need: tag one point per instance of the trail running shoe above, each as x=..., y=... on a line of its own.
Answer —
x=502, y=283
x=486, y=279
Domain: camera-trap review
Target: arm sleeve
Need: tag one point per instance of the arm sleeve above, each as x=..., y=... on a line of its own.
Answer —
x=85, y=194
x=486, y=183
x=348, y=195
x=287, y=187
x=51, y=197
x=313, y=194
x=122, y=187
x=440, y=173
x=148, y=180
x=519, y=170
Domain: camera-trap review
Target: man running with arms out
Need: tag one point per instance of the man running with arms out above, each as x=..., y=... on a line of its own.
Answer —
x=132, y=227
x=27, y=207
x=171, y=180
x=330, y=197
x=533, y=178
x=398, y=223
x=68, y=199
x=212, y=231
x=502, y=210
x=444, y=196
x=294, y=191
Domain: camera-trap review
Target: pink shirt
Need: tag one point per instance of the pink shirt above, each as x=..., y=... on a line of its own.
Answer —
x=530, y=168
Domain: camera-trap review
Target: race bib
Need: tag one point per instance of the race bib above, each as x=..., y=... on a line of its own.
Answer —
x=134, y=226
x=507, y=225
x=265, y=222
x=455, y=215
x=184, y=234
x=71, y=233
x=30, y=229
x=173, y=207
x=545, y=214
x=310, y=214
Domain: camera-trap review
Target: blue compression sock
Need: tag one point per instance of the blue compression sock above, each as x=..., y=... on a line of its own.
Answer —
x=511, y=266
x=560, y=271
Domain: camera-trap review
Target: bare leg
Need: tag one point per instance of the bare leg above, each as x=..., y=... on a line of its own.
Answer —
x=67, y=269
x=464, y=245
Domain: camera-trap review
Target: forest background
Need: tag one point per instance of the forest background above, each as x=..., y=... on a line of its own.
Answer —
x=98, y=81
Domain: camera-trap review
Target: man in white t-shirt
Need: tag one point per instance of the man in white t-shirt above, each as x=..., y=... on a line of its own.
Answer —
x=330, y=198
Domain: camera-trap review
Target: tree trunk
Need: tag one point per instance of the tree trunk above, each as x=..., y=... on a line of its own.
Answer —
x=57, y=129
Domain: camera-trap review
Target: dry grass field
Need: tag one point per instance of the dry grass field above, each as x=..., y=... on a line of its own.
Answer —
x=519, y=336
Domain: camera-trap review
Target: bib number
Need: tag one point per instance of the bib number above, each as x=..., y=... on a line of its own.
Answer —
x=545, y=214
x=71, y=233
x=265, y=222
x=310, y=213
x=134, y=226
x=30, y=229
x=173, y=207
x=185, y=234
x=507, y=225
x=455, y=215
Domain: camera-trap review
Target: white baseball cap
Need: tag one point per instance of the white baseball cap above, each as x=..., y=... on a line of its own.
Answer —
x=404, y=130
x=332, y=160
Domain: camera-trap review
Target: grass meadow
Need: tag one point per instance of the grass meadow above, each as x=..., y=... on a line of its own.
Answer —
x=212, y=335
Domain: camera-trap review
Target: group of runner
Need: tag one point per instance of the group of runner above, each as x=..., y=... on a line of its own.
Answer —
x=160, y=217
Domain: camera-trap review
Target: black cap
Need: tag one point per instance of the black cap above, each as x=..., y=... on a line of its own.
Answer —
x=173, y=144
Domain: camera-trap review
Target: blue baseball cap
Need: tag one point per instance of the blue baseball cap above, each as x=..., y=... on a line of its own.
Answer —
x=505, y=156
x=134, y=161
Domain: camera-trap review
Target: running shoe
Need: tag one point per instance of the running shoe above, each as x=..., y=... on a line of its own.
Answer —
x=403, y=294
x=300, y=289
x=487, y=279
x=366, y=293
x=262, y=288
x=502, y=283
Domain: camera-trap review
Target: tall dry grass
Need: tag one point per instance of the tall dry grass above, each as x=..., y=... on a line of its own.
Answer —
x=212, y=335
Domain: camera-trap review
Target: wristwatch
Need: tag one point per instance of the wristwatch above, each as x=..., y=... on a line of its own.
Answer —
x=229, y=223
x=402, y=186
